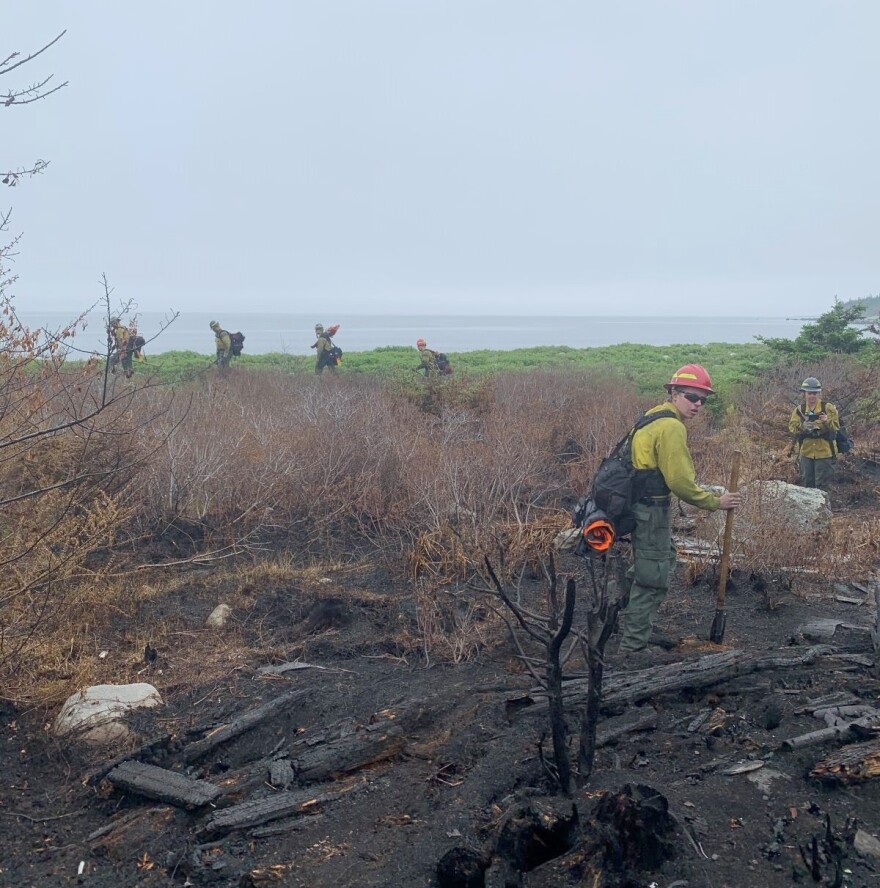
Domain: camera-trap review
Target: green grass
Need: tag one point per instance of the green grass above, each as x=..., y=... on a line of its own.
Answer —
x=647, y=366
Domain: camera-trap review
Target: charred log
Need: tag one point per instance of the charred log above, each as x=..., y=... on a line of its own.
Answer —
x=240, y=725
x=163, y=785
x=852, y=764
x=637, y=687
x=257, y=811
x=342, y=755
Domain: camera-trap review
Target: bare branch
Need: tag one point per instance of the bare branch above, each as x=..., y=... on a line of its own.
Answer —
x=32, y=92
x=541, y=638
x=5, y=67
x=11, y=179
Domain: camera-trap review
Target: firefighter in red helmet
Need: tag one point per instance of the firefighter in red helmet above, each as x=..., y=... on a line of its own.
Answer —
x=428, y=359
x=664, y=467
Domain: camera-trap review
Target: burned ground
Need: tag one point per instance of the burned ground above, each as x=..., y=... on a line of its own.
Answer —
x=409, y=771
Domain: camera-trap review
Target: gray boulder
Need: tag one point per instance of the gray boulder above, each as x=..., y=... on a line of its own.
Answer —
x=770, y=506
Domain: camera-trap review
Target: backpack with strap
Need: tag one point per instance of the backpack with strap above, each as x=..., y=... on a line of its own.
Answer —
x=843, y=440
x=236, y=342
x=135, y=346
x=334, y=355
x=443, y=364
x=614, y=485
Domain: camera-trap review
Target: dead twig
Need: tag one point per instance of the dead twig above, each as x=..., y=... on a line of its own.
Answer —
x=698, y=848
x=40, y=819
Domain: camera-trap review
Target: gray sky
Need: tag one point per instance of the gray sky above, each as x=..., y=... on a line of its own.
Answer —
x=442, y=156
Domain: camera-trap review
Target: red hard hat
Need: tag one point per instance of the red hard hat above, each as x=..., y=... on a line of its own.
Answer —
x=691, y=376
x=420, y=343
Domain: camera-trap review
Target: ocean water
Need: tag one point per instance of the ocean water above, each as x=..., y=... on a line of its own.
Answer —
x=293, y=333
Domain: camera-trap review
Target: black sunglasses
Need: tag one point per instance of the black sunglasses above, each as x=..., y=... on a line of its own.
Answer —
x=694, y=399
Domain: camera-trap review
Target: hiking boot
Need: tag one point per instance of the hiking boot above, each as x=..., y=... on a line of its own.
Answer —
x=614, y=659
x=619, y=659
x=662, y=640
x=644, y=658
x=612, y=646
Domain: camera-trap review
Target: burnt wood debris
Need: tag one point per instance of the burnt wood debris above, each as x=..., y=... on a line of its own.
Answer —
x=554, y=833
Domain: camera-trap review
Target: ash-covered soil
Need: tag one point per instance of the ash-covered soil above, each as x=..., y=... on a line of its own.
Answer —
x=427, y=761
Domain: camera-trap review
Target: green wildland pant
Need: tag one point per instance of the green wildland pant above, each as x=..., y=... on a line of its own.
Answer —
x=816, y=472
x=653, y=563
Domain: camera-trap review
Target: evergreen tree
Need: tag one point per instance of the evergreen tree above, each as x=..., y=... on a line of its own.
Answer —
x=834, y=333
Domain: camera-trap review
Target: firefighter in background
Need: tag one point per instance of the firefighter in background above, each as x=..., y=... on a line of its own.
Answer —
x=325, y=352
x=223, y=346
x=814, y=424
x=428, y=358
x=664, y=466
x=121, y=343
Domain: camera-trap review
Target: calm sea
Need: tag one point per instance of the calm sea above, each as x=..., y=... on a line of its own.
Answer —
x=294, y=334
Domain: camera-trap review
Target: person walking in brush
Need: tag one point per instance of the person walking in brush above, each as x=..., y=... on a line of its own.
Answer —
x=223, y=346
x=327, y=353
x=663, y=466
x=428, y=358
x=121, y=343
x=433, y=363
x=814, y=425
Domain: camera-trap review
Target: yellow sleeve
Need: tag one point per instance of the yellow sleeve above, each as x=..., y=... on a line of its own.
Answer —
x=675, y=463
x=794, y=424
x=832, y=424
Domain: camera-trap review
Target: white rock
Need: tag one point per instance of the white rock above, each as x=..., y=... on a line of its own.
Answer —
x=786, y=508
x=219, y=617
x=865, y=843
x=804, y=507
x=763, y=778
x=94, y=714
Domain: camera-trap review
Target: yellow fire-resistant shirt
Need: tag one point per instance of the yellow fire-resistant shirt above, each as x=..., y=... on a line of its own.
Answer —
x=120, y=337
x=429, y=362
x=821, y=447
x=663, y=445
x=222, y=342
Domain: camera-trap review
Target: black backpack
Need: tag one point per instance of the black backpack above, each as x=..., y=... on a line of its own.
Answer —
x=236, y=341
x=844, y=442
x=443, y=364
x=614, y=482
x=334, y=355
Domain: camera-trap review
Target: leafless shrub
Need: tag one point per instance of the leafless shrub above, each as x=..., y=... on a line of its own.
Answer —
x=338, y=469
x=768, y=541
x=67, y=467
x=452, y=627
x=546, y=631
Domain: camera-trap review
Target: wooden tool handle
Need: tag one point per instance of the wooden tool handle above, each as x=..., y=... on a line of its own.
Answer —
x=724, y=570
